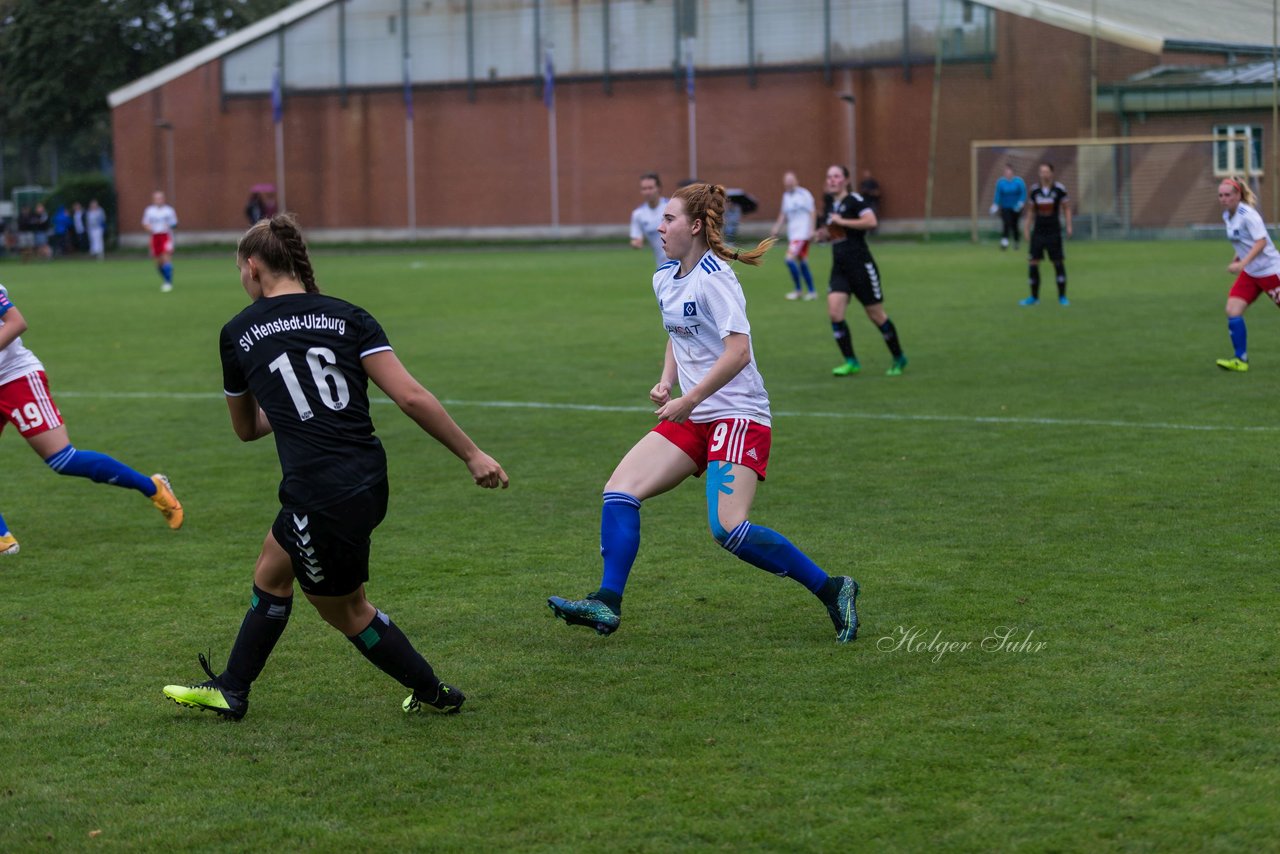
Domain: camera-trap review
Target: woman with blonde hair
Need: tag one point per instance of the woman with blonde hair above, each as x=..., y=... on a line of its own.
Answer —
x=718, y=422
x=1256, y=264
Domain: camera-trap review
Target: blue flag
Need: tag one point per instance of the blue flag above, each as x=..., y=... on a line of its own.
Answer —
x=549, y=83
x=688, y=74
x=277, y=98
x=408, y=92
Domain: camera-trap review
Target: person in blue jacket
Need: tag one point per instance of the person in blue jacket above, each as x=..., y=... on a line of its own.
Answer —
x=1011, y=196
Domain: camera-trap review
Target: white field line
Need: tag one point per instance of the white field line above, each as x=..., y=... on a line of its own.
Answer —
x=849, y=416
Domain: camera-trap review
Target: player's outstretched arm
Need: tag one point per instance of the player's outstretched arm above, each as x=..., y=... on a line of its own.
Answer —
x=247, y=417
x=388, y=374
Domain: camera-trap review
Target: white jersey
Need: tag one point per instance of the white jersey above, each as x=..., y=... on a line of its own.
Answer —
x=16, y=361
x=699, y=311
x=797, y=205
x=644, y=223
x=1245, y=229
x=159, y=219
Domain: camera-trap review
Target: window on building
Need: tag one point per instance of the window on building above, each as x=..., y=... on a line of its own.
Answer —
x=1229, y=155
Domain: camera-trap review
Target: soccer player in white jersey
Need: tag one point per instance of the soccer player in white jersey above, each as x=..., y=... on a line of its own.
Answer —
x=800, y=215
x=160, y=219
x=646, y=218
x=718, y=422
x=1256, y=264
x=25, y=402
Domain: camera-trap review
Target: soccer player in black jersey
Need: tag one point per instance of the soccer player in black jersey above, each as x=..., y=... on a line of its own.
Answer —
x=854, y=272
x=297, y=363
x=1044, y=232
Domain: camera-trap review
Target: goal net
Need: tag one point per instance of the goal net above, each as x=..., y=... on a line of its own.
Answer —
x=1121, y=187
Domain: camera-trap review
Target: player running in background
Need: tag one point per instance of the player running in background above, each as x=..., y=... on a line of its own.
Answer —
x=1256, y=264
x=297, y=364
x=854, y=272
x=648, y=216
x=1044, y=233
x=1010, y=198
x=160, y=219
x=720, y=423
x=26, y=403
x=799, y=215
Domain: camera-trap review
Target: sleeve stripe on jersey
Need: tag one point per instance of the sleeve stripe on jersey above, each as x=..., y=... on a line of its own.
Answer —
x=709, y=264
x=235, y=393
x=671, y=263
x=375, y=350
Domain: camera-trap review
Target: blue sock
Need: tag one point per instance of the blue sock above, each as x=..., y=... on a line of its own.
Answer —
x=794, y=270
x=619, y=539
x=99, y=468
x=1239, y=337
x=4, y=529
x=772, y=552
x=808, y=276
x=166, y=272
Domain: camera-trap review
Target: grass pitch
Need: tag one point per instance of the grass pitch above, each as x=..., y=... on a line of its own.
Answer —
x=1059, y=517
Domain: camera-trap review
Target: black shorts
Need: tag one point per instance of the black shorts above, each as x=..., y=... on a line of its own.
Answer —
x=861, y=278
x=1050, y=243
x=330, y=546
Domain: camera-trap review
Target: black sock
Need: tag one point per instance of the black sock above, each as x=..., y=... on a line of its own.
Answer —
x=389, y=650
x=1033, y=277
x=608, y=597
x=890, y=333
x=1061, y=269
x=828, y=592
x=263, y=624
x=843, y=339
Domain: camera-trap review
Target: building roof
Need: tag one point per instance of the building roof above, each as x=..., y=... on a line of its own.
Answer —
x=1155, y=26
x=1167, y=88
x=1152, y=26
x=214, y=50
x=1165, y=76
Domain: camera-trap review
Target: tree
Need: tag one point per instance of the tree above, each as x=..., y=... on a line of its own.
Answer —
x=60, y=58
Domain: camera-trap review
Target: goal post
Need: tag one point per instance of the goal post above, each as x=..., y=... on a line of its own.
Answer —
x=1130, y=187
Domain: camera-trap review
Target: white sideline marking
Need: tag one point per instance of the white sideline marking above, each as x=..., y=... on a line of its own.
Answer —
x=852, y=416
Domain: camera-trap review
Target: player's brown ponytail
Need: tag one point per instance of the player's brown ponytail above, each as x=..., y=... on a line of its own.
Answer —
x=706, y=202
x=278, y=244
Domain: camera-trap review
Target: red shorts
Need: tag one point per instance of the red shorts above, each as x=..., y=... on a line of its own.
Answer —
x=734, y=440
x=1249, y=288
x=27, y=403
x=798, y=249
x=161, y=244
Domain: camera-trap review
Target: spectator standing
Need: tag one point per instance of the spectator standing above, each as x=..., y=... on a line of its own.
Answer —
x=80, y=234
x=870, y=190
x=61, y=231
x=96, y=223
x=40, y=230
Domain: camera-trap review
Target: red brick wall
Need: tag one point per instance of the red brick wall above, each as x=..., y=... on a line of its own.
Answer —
x=485, y=163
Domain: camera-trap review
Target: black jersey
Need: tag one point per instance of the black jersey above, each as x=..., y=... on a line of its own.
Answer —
x=1047, y=203
x=300, y=356
x=848, y=243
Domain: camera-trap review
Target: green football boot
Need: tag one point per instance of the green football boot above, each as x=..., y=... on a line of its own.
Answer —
x=448, y=701
x=848, y=369
x=210, y=695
